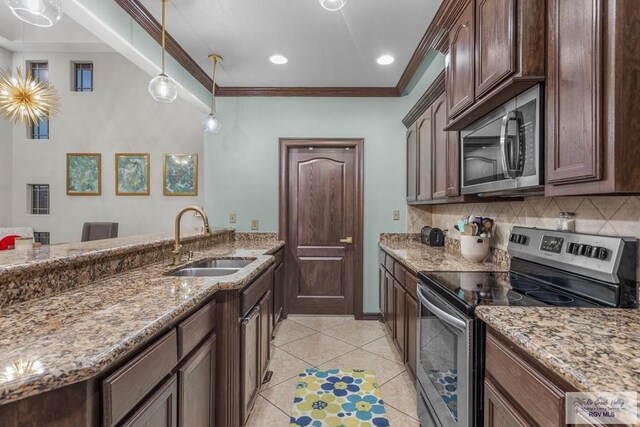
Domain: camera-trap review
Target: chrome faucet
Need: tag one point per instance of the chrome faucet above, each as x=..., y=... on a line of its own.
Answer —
x=177, y=251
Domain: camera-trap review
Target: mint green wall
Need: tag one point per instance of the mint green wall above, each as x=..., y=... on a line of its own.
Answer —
x=241, y=163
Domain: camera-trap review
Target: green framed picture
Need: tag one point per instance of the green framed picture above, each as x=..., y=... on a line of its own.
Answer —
x=180, y=175
x=132, y=174
x=84, y=172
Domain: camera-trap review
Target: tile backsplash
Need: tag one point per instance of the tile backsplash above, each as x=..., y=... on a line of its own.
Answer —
x=606, y=215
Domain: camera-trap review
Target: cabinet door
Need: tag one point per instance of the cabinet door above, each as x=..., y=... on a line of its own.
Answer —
x=197, y=384
x=278, y=293
x=439, y=164
x=399, y=319
x=412, y=164
x=425, y=135
x=250, y=361
x=498, y=411
x=453, y=165
x=495, y=43
x=574, y=91
x=383, y=292
x=265, y=334
x=411, y=310
x=459, y=70
x=160, y=410
x=390, y=315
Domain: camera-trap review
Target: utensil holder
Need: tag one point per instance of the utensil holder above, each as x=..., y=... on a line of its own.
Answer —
x=474, y=248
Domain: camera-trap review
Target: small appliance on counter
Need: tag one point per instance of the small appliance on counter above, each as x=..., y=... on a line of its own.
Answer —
x=432, y=236
x=548, y=268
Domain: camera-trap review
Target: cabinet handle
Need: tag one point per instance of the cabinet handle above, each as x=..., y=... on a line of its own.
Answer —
x=347, y=240
x=253, y=313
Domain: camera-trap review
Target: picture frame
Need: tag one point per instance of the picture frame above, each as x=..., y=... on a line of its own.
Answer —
x=84, y=174
x=180, y=174
x=132, y=174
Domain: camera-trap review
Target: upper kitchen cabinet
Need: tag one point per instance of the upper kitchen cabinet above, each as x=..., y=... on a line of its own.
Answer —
x=592, y=131
x=495, y=51
x=440, y=137
x=412, y=164
x=424, y=129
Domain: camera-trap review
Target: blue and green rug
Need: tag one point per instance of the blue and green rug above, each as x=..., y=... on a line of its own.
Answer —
x=338, y=398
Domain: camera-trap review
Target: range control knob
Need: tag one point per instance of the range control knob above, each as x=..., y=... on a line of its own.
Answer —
x=570, y=248
x=522, y=239
x=602, y=253
x=582, y=249
x=576, y=249
x=588, y=252
x=513, y=238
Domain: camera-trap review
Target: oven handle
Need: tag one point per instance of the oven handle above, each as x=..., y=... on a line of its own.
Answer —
x=442, y=315
x=503, y=146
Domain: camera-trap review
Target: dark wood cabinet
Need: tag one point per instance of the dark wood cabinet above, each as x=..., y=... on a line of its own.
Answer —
x=460, y=65
x=265, y=333
x=412, y=164
x=411, y=314
x=498, y=411
x=160, y=410
x=592, y=136
x=424, y=131
x=390, y=304
x=382, y=287
x=250, y=361
x=439, y=163
x=197, y=382
x=453, y=165
x=279, y=291
x=399, y=318
x=495, y=46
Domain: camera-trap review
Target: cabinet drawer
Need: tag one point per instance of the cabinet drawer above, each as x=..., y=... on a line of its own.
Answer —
x=399, y=273
x=279, y=257
x=128, y=386
x=389, y=264
x=193, y=330
x=252, y=294
x=541, y=399
x=411, y=284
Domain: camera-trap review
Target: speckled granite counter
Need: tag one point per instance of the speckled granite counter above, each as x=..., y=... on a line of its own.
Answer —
x=593, y=349
x=72, y=336
x=407, y=249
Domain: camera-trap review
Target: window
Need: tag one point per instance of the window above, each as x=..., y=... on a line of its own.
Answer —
x=39, y=199
x=40, y=72
x=83, y=77
x=42, y=237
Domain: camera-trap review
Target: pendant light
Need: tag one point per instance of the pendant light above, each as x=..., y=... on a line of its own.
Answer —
x=41, y=13
x=25, y=100
x=162, y=88
x=333, y=5
x=212, y=123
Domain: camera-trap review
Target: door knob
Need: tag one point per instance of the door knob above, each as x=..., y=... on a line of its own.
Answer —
x=347, y=240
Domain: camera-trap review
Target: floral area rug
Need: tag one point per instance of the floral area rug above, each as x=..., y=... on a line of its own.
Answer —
x=338, y=398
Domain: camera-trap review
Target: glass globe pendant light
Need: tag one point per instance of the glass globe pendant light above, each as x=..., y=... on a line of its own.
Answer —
x=162, y=88
x=333, y=5
x=41, y=13
x=212, y=123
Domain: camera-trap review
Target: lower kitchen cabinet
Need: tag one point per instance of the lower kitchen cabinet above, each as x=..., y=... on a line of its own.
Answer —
x=197, y=385
x=160, y=410
x=265, y=333
x=399, y=308
x=250, y=373
x=279, y=291
x=498, y=411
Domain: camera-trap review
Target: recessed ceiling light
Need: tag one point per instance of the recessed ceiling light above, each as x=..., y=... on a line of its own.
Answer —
x=333, y=5
x=386, y=60
x=278, y=59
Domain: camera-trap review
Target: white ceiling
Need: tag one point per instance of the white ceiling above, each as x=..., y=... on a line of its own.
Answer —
x=325, y=49
x=65, y=36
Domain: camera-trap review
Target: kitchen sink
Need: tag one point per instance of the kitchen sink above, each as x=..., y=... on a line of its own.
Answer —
x=223, y=263
x=203, y=272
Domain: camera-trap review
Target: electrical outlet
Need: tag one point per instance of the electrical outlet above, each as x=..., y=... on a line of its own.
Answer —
x=396, y=215
x=255, y=224
x=232, y=218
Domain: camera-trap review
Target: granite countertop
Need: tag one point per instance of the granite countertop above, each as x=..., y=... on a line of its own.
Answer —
x=593, y=349
x=72, y=336
x=419, y=257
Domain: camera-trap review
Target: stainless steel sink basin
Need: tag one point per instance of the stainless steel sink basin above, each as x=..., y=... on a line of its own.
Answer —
x=203, y=272
x=223, y=263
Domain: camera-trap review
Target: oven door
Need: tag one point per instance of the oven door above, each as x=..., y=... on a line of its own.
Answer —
x=444, y=364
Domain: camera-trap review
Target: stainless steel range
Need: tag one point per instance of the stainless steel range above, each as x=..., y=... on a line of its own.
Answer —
x=548, y=268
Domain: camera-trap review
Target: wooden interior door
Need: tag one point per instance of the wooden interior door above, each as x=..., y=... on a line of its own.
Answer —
x=323, y=222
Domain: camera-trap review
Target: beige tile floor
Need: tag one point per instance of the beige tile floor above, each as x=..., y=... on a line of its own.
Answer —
x=333, y=342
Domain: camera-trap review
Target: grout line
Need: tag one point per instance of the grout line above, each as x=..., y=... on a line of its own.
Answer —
x=275, y=406
x=402, y=412
x=379, y=355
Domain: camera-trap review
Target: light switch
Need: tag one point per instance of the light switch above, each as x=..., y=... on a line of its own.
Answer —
x=255, y=224
x=396, y=215
x=232, y=218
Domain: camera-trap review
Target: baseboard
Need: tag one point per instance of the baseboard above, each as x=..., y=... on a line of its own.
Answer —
x=371, y=316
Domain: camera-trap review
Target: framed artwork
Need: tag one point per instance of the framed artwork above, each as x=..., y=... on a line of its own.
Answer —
x=132, y=174
x=180, y=175
x=84, y=172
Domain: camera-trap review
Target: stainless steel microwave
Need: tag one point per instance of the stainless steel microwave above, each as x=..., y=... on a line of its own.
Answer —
x=502, y=152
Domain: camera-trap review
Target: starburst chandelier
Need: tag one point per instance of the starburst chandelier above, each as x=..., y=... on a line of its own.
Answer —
x=25, y=100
